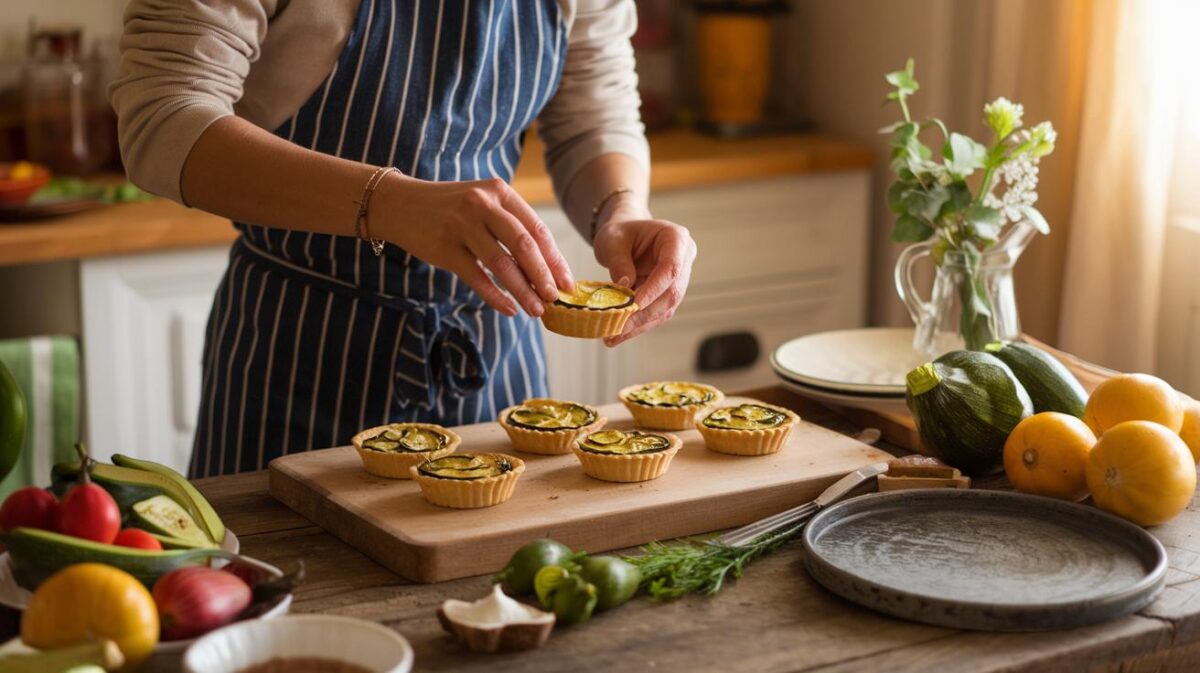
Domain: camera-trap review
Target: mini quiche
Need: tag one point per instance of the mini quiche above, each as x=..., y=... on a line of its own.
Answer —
x=669, y=405
x=626, y=455
x=389, y=450
x=591, y=311
x=752, y=429
x=548, y=427
x=468, y=480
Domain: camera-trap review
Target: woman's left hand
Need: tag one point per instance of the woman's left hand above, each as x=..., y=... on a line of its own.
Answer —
x=655, y=258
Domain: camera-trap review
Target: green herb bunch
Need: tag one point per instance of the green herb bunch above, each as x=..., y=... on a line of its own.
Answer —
x=674, y=569
x=952, y=197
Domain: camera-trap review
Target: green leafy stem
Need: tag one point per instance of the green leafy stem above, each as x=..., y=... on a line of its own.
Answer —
x=946, y=196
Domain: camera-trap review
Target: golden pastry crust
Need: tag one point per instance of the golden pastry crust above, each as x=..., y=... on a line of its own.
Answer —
x=666, y=417
x=585, y=322
x=628, y=467
x=756, y=442
x=549, y=442
x=395, y=464
x=470, y=493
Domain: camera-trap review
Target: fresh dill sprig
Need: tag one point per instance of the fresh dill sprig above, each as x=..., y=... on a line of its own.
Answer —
x=680, y=567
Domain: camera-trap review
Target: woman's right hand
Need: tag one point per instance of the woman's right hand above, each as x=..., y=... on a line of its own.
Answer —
x=466, y=227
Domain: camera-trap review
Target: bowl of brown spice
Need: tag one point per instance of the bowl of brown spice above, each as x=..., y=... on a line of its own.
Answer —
x=301, y=644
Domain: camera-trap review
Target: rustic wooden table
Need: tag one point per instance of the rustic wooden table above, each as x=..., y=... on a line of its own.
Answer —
x=774, y=619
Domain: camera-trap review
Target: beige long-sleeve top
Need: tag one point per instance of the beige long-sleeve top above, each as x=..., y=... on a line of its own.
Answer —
x=188, y=63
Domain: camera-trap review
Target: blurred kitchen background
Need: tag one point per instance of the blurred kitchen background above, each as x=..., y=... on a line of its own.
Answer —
x=764, y=119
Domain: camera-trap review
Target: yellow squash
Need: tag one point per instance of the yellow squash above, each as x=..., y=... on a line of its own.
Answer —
x=92, y=600
x=1141, y=471
x=1047, y=454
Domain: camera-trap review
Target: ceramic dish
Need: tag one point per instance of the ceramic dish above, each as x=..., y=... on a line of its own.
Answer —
x=880, y=404
x=353, y=641
x=14, y=596
x=985, y=560
x=871, y=360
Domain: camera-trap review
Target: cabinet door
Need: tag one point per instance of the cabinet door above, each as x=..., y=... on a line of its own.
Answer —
x=144, y=318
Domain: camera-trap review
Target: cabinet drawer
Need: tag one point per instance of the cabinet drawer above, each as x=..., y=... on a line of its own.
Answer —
x=759, y=231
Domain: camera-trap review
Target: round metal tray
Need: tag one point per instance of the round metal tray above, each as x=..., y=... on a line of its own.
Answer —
x=985, y=560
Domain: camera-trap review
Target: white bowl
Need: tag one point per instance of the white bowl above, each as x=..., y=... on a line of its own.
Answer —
x=353, y=641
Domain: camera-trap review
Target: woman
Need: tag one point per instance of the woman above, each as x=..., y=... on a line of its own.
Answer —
x=358, y=295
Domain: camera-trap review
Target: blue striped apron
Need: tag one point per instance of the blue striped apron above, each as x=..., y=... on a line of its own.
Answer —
x=312, y=337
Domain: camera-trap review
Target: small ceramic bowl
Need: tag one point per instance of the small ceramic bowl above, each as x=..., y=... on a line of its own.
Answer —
x=353, y=641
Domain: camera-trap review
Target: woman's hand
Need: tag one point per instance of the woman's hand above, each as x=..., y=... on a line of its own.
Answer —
x=466, y=227
x=655, y=258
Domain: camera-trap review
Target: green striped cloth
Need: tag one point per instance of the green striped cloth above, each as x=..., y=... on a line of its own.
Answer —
x=47, y=369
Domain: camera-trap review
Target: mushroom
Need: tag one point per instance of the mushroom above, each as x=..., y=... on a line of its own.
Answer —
x=496, y=623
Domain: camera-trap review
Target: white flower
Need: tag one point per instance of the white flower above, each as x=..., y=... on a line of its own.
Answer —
x=1041, y=139
x=1020, y=177
x=1003, y=116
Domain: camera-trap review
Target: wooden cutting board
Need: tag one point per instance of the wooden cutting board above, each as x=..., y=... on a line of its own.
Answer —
x=703, y=491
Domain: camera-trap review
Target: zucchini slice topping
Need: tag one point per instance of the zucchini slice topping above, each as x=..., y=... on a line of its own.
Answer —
x=672, y=394
x=596, y=296
x=551, y=416
x=624, y=442
x=400, y=439
x=465, y=466
x=745, y=417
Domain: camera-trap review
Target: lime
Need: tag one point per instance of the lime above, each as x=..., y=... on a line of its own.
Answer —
x=546, y=581
x=574, y=600
x=528, y=560
x=616, y=581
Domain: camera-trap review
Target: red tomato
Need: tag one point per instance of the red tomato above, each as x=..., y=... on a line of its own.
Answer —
x=195, y=600
x=89, y=512
x=31, y=507
x=138, y=539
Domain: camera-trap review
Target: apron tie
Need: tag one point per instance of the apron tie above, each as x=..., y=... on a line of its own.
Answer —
x=439, y=346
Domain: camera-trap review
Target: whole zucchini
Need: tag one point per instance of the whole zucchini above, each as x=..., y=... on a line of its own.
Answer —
x=1050, y=385
x=965, y=404
x=38, y=554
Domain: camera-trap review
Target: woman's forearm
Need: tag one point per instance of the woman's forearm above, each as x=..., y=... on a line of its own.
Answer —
x=240, y=171
x=597, y=179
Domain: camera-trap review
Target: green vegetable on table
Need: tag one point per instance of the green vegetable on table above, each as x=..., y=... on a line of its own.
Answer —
x=66, y=188
x=1051, y=386
x=680, y=567
x=528, y=560
x=965, y=404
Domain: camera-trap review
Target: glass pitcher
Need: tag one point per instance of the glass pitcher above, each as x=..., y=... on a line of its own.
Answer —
x=986, y=291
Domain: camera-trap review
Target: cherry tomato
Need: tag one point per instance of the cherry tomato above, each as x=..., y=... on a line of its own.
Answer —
x=30, y=507
x=137, y=539
x=89, y=512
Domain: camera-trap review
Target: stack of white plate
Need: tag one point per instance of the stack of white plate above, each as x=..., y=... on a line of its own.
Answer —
x=861, y=368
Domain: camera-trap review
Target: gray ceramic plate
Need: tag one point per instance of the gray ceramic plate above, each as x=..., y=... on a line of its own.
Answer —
x=986, y=560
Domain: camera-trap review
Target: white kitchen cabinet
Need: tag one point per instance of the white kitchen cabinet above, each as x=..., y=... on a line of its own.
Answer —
x=778, y=258
x=144, y=318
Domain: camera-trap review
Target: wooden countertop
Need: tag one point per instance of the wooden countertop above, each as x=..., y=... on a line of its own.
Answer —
x=774, y=619
x=680, y=159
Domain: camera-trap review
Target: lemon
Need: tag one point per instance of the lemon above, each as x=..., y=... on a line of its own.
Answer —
x=1047, y=454
x=1141, y=471
x=1190, y=431
x=1133, y=397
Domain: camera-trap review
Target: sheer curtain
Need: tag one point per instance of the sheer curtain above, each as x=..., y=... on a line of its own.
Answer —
x=1137, y=180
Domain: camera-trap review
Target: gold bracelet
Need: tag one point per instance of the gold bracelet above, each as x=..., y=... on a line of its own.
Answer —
x=600, y=206
x=360, y=222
